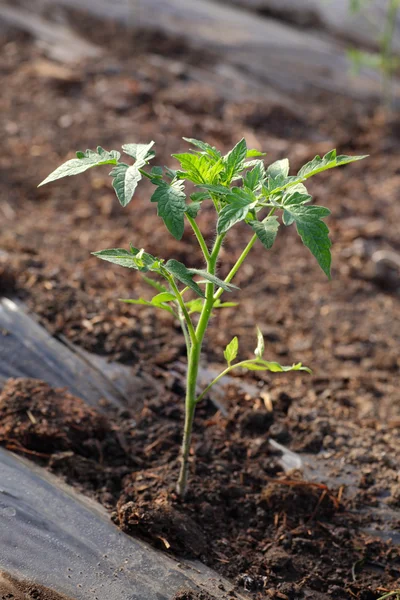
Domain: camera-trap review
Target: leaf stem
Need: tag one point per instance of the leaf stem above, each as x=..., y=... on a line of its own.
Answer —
x=241, y=258
x=222, y=374
x=183, y=308
x=199, y=237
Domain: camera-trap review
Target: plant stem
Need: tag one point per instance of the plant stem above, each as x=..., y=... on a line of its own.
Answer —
x=183, y=308
x=242, y=258
x=193, y=369
x=199, y=237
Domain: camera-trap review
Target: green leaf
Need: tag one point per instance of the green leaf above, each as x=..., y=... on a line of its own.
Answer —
x=313, y=231
x=194, y=306
x=155, y=284
x=135, y=259
x=84, y=161
x=163, y=297
x=206, y=148
x=266, y=231
x=182, y=273
x=292, y=198
x=193, y=209
x=231, y=214
x=143, y=302
x=274, y=367
x=234, y=161
x=279, y=168
x=125, y=180
x=259, y=351
x=253, y=178
x=199, y=168
x=231, y=351
x=199, y=196
x=329, y=161
x=139, y=151
x=228, y=287
x=126, y=177
x=171, y=206
x=254, y=153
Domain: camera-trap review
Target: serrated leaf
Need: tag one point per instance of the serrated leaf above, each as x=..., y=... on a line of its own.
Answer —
x=313, y=231
x=231, y=351
x=84, y=161
x=228, y=287
x=232, y=214
x=274, y=367
x=259, y=351
x=280, y=168
x=194, y=306
x=199, y=196
x=253, y=178
x=163, y=297
x=234, y=161
x=266, y=231
x=139, y=151
x=182, y=273
x=155, y=284
x=199, y=168
x=171, y=206
x=125, y=181
x=292, y=198
x=210, y=150
x=329, y=161
x=135, y=259
x=193, y=209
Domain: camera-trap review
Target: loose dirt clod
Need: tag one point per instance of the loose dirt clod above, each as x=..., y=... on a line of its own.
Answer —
x=38, y=420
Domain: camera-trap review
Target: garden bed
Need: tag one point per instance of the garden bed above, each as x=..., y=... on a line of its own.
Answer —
x=275, y=534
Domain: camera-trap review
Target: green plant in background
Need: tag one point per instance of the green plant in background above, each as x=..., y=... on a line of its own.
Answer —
x=395, y=594
x=241, y=189
x=384, y=61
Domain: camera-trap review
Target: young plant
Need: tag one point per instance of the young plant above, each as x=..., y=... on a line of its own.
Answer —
x=241, y=189
x=384, y=60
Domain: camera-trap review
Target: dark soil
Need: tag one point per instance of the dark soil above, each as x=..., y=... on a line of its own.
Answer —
x=191, y=595
x=276, y=534
x=12, y=589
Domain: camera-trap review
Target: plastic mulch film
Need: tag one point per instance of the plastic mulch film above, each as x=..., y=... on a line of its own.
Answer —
x=55, y=537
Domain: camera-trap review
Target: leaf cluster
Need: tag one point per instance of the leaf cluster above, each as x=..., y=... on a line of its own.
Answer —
x=238, y=183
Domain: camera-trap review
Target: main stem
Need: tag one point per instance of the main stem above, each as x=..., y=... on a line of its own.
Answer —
x=193, y=369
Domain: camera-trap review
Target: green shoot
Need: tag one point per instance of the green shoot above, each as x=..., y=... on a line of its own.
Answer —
x=384, y=60
x=242, y=190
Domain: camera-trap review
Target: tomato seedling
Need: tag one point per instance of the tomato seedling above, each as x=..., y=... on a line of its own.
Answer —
x=241, y=188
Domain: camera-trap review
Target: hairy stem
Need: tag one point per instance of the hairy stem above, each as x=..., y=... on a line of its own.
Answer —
x=199, y=237
x=193, y=369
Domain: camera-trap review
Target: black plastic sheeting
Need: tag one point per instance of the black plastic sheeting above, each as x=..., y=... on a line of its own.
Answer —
x=54, y=536
x=28, y=350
